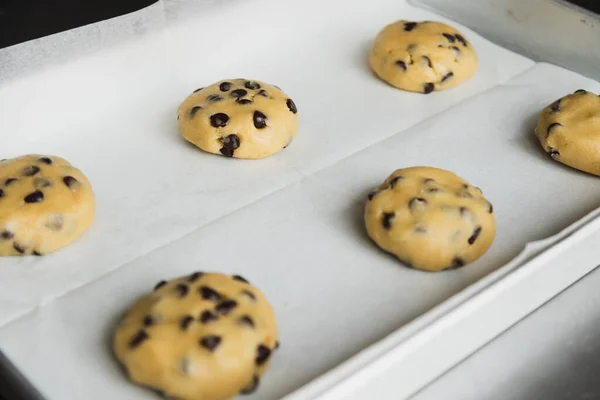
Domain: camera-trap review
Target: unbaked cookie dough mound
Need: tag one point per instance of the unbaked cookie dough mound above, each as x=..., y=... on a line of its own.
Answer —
x=207, y=336
x=422, y=56
x=430, y=219
x=569, y=131
x=45, y=204
x=239, y=118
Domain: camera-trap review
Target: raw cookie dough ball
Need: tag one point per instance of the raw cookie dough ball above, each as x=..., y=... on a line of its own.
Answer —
x=45, y=204
x=430, y=219
x=569, y=130
x=201, y=337
x=239, y=118
x=422, y=56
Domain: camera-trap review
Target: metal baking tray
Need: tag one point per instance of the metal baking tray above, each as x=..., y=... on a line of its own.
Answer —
x=354, y=322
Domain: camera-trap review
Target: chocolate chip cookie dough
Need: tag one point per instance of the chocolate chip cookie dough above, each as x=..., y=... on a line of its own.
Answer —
x=45, y=204
x=569, y=131
x=422, y=56
x=207, y=336
x=430, y=219
x=239, y=118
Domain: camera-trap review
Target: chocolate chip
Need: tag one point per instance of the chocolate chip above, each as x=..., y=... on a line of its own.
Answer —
x=194, y=110
x=457, y=262
x=490, y=207
x=208, y=316
x=555, y=107
x=456, y=50
x=554, y=153
x=6, y=235
x=195, y=276
x=251, y=388
x=71, y=182
x=252, y=85
x=262, y=354
x=138, y=339
x=9, y=181
x=240, y=278
x=209, y=294
x=450, y=37
x=182, y=289
x=34, y=197
x=461, y=39
x=214, y=98
x=428, y=180
x=186, y=321
x=36, y=253
x=249, y=294
x=246, y=320
x=291, y=106
x=447, y=76
x=219, y=120
x=1, y=193
x=45, y=160
x=18, y=248
x=243, y=101
x=409, y=26
x=263, y=93
x=372, y=194
x=225, y=86
x=427, y=61
x=148, y=321
x=552, y=126
x=239, y=93
x=41, y=183
x=197, y=90
x=230, y=143
x=464, y=194
x=417, y=202
x=432, y=190
x=580, y=91
x=210, y=342
x=464, y=212
x=428, y=88
x=394, y=181
x=475, y=235
x=401, y=64
x=260, y=120
x=31, y=170
x=386, y=220
x=159, y=285
x=226, y=306
x=55, y=222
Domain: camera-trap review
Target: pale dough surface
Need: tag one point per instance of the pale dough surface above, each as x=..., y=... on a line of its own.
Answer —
x=430, y=219
x=239, y=118
x=45, y=204
x=207, y=336
x=422, y=56
x=569, y=131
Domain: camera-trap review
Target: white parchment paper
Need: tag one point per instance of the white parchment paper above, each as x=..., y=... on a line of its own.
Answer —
x=291, y=223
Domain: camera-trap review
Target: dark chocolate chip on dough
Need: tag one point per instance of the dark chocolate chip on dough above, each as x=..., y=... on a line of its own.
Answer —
x=401, y=64
x=291, y=106
x=372, y=194
x=447, y=76
x=475, y=235
x=409, y=26
x=194, y=110
x=490, y=207
x=9, y=181
x=386, y=220
x=395, y=181
x=225, y=86
x=243, y=101
x=71, y=182
x=159, y=285
x=210, y=342
x=457, y=262
x=450, y=37
x=36, y=253
x=20, y=249
x=230, y=143
x=6, y=235
x=249, y=294
x=263, y=93
x=554, y=153
x=209, y=293
x=432, y=190
x=461, y=39
x=197, y=90
x=195, y=276
x=246, y=320
x=182, y=289
x=186, y=322
x=240, y=278
x=555, y=107
x=34, y=197
x=219, y=120
x=138, y=339
x=260, y=120
x=45, y=160
x=252, y=85
x=581, y=91
x=427, y=61
x=41, y=183
x=208, y=316
x=226, y=306
x=1, y=193
x=148, y=321
x=456, y=50
x=262, y=354
x=237, y=93
x=31, y=170
x=428, y=87
x=214, y=98
x=251, y=388
x=551, y=127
